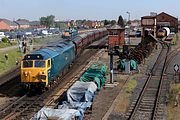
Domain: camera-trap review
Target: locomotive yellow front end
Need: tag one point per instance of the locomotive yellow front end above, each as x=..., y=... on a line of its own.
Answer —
x=34, y=73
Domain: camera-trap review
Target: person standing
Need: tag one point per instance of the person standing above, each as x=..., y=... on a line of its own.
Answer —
x=25, y=47
x=6, y=57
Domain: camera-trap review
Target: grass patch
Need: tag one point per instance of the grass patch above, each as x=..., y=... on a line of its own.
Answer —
x=173, y=109
x=41, y=41
x=13, y=55
x=3, y=45
x=131, y=85
x=175, y=38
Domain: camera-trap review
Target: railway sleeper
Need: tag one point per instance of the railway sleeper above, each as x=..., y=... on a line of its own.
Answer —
x=148, y=99
x=147, y=104
x=145, y=109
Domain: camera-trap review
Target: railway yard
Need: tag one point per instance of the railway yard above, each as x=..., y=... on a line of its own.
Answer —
x=113, y=100
x=99, y=74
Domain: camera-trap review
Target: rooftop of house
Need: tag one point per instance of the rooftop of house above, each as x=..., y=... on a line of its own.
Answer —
x=11, y=23
x=22, y=22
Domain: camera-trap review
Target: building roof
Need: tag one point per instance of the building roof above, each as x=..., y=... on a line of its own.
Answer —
x=147, y=17
x=167, y=15
x=9, y=22
x=33, y=23
x=22, y=22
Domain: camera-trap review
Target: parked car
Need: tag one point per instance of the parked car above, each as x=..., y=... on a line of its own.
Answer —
x=11, y=35
x=2, y=35
x=138, y=33
x=44, y=32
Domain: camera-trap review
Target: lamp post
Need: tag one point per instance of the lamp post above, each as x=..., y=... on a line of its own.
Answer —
x=129, y=27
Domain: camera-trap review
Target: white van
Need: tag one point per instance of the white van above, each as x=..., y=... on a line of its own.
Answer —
x=1, y=35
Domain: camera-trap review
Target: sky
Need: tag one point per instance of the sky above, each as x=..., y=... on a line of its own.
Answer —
x=86, y=9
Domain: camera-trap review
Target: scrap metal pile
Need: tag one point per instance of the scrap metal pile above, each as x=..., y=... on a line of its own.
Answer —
x=138, y=54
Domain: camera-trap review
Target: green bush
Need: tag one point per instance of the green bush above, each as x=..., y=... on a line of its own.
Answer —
x=5, y=40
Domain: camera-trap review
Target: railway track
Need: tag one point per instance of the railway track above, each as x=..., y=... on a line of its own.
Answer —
x=150, y=103
x=25, y=107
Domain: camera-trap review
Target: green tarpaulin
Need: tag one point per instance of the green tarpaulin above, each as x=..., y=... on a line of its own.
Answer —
x=95, y=73
x=121, y=64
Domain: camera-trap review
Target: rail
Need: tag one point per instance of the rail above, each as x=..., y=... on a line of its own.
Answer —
x=147, y=100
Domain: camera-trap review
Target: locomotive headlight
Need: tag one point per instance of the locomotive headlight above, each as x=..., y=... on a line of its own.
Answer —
x=26, y=73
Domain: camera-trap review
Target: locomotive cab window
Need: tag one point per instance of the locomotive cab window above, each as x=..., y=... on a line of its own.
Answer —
x=49, y=64
x=39, y=64
x=27, y=63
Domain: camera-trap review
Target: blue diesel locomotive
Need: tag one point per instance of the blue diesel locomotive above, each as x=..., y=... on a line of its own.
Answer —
x=40, y=67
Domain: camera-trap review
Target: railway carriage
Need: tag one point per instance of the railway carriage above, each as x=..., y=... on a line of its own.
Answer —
x=90, y=37
x=78, y=44
x=96, y=35
x=84, y=39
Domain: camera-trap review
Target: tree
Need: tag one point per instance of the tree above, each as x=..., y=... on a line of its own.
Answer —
x=50, y=21
x=121, y=21
x=106, y=22
x=47, y=21
x=43, y=21
x=113, y=22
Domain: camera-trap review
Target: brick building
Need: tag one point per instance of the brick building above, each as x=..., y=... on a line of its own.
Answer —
x=166, y=20
x=23, y=23
x=7, y=25
x=116, y=36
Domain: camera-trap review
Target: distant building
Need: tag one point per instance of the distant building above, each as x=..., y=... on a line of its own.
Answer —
x=136, y=23
x=36, y=24
x=23, y=23
x=93, y=24
x=166, y=20
x=7, y=25
x=152, y=23
x=116, y=36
